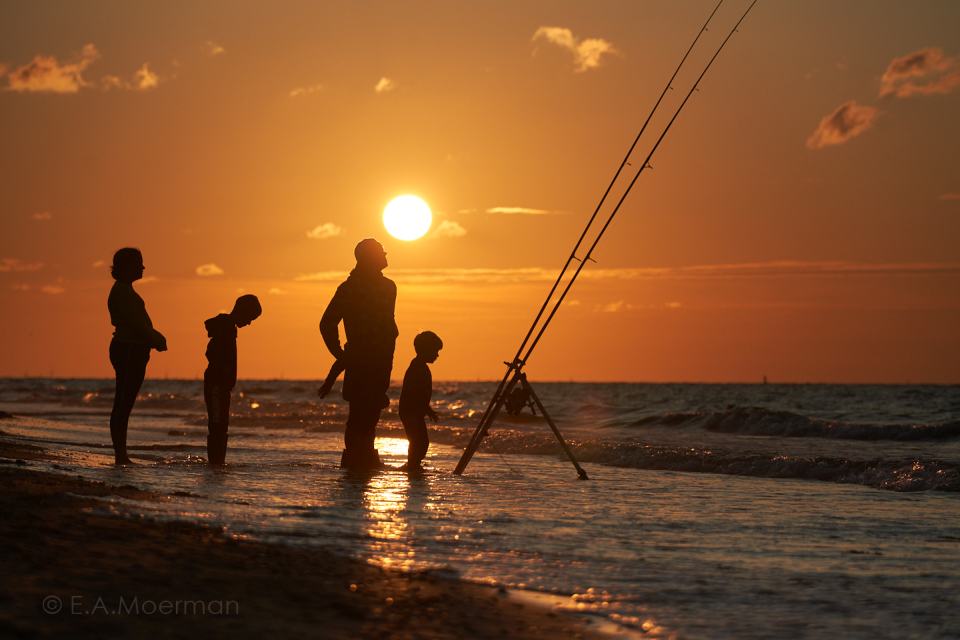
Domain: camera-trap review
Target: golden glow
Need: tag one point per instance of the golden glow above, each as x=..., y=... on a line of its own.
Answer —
x=407, y=217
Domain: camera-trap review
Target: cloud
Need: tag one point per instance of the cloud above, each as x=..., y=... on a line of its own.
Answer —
x=213, y=49
x=614, y=307
x=46, y=74
x=324, y=231
x=145, y=79
x=20, y=286
x=449, y=229
x=950, y=196
x=52, y=289
x=276, y=291
x=771, y=269
x=97, y=264
x=42, y=216
x=513, y=211
x=385, y=85
x=209, y=269
x=8, y=265
x=306, y=91
x=846, y=122
x=587, y=53
x=519, y=211
x=925, y=72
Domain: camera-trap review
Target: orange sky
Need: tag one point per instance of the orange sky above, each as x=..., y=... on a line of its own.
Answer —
x=802, y=220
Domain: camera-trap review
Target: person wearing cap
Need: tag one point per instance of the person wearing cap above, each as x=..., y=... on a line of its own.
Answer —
x=365, y=303
x=133, y=338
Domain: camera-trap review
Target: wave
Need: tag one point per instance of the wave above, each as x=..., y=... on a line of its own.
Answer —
x=767, y=422
x=889, y=474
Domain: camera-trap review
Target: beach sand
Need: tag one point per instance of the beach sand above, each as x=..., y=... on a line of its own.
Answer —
x=64, y=546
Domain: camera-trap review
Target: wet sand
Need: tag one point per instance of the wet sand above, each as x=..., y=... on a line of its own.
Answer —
x=102, y=571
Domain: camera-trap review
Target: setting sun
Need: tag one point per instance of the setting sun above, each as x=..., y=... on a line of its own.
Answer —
x=407, y=217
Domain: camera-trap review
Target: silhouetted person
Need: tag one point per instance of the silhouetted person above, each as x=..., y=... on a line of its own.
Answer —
x=335, y=370
x=415, y=398
x=221, y=374
x=365, y=303
x=517, y=400
x=133, y=338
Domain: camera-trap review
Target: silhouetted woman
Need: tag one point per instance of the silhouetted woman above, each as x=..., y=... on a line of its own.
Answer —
x=133, y=338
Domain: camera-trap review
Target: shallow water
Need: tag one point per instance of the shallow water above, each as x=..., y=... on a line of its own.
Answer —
x=868, y=550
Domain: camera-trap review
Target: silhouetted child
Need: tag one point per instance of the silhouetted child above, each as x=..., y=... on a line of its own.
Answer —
x=415, y=397
x=130, y=347
x=221, y=374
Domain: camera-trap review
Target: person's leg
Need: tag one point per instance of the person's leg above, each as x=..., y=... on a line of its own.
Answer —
x=130, y=364
x=359, y=436
x=418, y=441
x=218, y=419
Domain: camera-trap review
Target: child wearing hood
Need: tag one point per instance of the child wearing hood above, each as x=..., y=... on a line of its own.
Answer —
x=221, y=374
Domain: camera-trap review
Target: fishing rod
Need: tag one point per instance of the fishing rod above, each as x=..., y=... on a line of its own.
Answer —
x=506, y=385
x=511, y=366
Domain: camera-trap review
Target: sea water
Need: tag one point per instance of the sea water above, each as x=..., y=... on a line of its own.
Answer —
x=712, y=511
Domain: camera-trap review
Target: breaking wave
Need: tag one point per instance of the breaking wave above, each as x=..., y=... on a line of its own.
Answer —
x=766, y=422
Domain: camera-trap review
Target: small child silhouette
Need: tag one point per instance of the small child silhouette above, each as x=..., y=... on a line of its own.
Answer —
x=415, y=398
x=221, y=374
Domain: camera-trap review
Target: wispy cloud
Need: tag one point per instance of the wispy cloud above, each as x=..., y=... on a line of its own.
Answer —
x=614, y=307
x=385, y=85
x=324, y=231
x=209, y=269
x=512, y=211
x=950, y=196
x=308, y=90
x=20, y=286
x=145, y=78
x=52, y=289
x=97, y=264
x=213, y=49
x=771, y=269
x=42, y=216
x=846, y=122
x=924, y=72
x=8, y=265
x=587, y=53
x=276, y=291
x=46, y=74
x=449, y=229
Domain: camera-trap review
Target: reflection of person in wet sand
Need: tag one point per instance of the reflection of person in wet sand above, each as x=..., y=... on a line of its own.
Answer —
x=133, y=339
x=365, y=303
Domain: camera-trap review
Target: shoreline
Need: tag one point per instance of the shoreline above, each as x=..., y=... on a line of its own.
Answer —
x=80, y=566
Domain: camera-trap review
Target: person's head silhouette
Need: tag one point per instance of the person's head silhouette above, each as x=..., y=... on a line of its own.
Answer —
x=427, y=344
x=246, y=309
x=127, y=265
x=370, y=255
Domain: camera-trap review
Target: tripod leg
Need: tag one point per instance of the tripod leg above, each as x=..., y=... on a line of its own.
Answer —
x=556, y=431
x=492, y=412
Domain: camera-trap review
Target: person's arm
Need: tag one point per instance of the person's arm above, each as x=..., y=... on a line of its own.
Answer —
x=335, y=370
x=330, y=325
x=129, y=311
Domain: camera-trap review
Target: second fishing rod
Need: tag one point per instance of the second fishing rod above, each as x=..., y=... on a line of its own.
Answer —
x=514, y=368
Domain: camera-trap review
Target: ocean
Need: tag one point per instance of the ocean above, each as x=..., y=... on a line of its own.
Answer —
x=712, y=510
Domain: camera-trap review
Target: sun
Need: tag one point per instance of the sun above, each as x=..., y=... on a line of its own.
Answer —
x=407, y=217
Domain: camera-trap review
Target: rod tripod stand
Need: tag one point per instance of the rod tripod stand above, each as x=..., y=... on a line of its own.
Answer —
x=503, y=392
x=514, y=375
